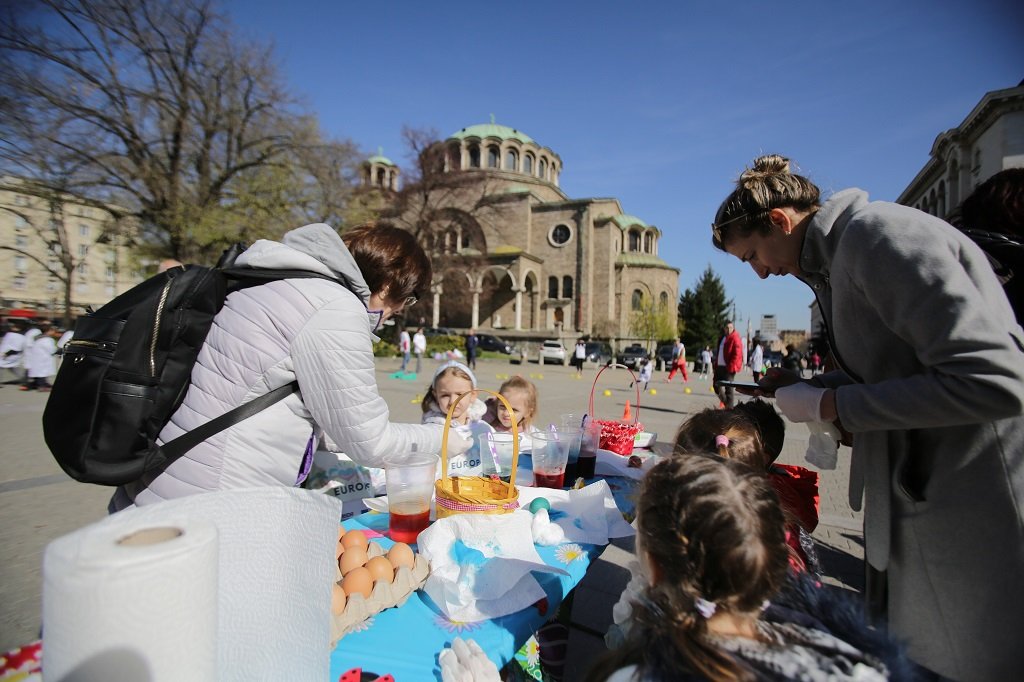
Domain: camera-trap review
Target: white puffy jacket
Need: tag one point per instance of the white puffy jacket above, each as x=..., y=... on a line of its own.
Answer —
x=312, y=330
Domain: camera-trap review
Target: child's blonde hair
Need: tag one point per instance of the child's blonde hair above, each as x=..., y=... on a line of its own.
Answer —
x=518, y=383
x=450, y=368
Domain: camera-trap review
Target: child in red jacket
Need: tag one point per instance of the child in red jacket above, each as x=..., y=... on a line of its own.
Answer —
x=753, y=433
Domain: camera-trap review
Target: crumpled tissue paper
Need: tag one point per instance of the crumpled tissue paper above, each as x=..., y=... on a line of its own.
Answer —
x=823, y=445
x=588, y=515
x=480, y=565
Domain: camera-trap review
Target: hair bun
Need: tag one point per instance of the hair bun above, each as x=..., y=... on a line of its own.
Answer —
x=765, y=167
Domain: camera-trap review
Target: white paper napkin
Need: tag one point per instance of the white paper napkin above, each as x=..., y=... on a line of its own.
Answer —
x=480, y=565
x=586, y=515
x=611, y=464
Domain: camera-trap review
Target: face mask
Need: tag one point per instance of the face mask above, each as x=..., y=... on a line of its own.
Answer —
x=376, y=318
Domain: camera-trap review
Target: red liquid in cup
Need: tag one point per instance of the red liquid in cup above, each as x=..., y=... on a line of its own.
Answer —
x=548, y=480
x=406, y=527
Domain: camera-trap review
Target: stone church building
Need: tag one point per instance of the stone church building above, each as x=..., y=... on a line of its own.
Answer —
x=511, y=251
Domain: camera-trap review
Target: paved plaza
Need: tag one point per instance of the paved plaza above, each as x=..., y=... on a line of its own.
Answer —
x=38, y=503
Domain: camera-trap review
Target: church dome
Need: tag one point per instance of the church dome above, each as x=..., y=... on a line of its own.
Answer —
x=485, y=130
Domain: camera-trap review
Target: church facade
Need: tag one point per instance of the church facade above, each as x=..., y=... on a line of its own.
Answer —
x=511, y=251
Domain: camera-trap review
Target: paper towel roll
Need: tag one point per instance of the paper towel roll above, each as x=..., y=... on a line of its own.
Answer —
x=132, y=602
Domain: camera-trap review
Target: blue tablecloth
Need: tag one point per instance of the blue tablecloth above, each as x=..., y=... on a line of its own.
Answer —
x=405, y=641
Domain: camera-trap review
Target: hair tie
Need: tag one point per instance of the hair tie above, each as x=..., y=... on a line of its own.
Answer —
x=704, y=607
x=722, y=441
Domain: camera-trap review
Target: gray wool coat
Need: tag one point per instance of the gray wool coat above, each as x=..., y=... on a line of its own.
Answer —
x=932, y=387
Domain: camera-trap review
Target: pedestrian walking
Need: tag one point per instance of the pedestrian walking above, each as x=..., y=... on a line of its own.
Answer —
x=756, y=361
x=705, y=362
x=678, y=361
x=40, y=359
x=405, y=348
x=579, y=356
x=11, y=349
x=472, y=342
x=419, y=347
x=728, y=363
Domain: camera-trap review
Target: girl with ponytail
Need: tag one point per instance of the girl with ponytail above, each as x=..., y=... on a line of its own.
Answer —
x=710, y=537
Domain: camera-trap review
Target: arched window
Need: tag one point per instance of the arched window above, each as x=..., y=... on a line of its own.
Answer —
x=634, y=241
x=528, y=164
x=933, y=205
x=567, y=287
x=954, y=183
x=542, y=169
x=465, y=240
x=493, y=157
x=943, y=207
x=474, y=157
x=638, y=299
x=380, y=177
x=454, y=158
x=648, y=243
x=663, y=299
x=552, y=287
x=511, y=160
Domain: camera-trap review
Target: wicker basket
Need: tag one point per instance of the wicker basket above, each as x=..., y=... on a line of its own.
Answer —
x=476, y=494
x=617, y=435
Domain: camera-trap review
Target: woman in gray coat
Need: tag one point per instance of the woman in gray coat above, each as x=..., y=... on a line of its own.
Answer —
x=930, y=385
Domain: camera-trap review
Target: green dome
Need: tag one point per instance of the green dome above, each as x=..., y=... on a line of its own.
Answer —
x=625, y=221
x=383, y=160
x=484, y=130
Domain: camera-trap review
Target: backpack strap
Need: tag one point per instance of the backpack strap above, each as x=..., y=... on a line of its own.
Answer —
x=179, y=446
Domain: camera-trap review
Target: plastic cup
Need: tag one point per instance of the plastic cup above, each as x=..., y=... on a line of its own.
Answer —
x=589, y=444
x=496, y=454
x=571, y=420
x=410, y=484
x=550, y=455
x=575, y=435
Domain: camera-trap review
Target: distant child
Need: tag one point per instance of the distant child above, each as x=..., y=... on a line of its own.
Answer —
x=711, y=543
x=521, y=395
x=646, y=372
x=739, y=434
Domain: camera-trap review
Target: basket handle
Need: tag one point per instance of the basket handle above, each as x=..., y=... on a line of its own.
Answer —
x=636, y=415
x=448, y=425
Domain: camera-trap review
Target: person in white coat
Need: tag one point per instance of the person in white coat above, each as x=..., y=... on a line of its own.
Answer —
x=316, y=331
x=11, y=348
x=40, y=359
x=419, y=347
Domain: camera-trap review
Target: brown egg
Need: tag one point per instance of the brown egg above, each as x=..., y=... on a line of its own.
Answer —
x=339, y=550
x=353, y=558
x=381, y=569
x=358, y=581
x=341, y=532
x=338, y=599
x=354, y=538
x=400, y=555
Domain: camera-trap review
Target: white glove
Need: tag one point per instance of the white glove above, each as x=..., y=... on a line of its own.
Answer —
x=457, y=444
x=800, y=402
x=465, y=661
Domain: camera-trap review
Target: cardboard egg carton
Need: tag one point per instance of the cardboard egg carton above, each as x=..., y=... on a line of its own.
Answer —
x=384, y=594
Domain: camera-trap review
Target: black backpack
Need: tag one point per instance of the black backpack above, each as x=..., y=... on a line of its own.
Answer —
x=129, y=365
x=1006, y=255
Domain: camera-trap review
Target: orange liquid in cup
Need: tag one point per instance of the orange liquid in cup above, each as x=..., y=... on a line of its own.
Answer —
x=405, y=525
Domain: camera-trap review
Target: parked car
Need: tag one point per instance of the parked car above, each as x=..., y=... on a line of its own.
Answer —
x=632, y=355
x=494, y=343
x=663, y=356
x=599, y=352
x=553, y=351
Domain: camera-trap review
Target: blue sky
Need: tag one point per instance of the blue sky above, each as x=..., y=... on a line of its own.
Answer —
x=660, y=105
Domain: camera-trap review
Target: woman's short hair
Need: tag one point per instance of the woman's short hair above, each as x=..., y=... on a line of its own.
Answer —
x=769, y=184
x=389, y=257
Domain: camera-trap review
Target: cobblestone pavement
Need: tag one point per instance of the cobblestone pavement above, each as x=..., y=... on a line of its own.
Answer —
x=38, y=503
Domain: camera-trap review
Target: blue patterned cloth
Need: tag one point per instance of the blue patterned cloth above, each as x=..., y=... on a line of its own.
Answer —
x=405, y=641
